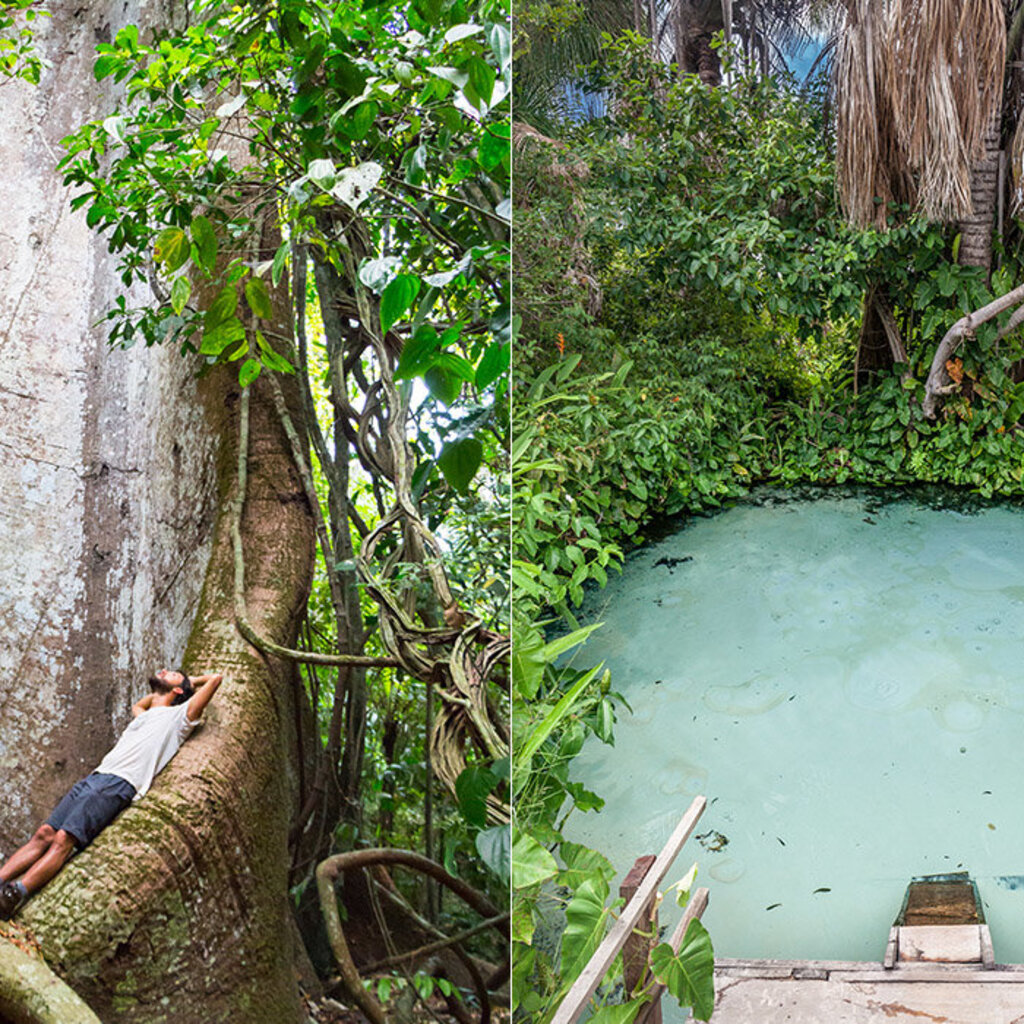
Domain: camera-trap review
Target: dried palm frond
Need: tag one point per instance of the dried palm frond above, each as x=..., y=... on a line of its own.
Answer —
x=1017, y=170
x=918, y=82
x=867, y=163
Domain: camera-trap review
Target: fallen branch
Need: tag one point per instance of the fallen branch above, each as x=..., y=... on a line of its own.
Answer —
x=937, y=383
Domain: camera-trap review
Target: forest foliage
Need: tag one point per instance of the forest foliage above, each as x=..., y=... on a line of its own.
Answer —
x=692, y=304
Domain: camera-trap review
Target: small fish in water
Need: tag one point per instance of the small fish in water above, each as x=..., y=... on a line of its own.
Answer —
x=1010, y=881
x=870, y=521
x=782, y=842
x=793, y=697
x=658, y=682
x=824, y=888
x=773, y=906
x=991, y=826
x=986, y=792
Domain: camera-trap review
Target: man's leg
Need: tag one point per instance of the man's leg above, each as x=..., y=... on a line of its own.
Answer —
x=50, y=863
x=21, y=860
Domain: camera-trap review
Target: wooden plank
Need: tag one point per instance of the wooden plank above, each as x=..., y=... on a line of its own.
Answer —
x=637, y=949
x=591, y=976
x=694, y=909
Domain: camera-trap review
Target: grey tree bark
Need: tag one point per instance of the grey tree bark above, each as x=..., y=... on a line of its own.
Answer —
x=115, y=558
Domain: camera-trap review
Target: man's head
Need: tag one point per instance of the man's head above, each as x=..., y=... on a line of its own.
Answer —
x=170, y=687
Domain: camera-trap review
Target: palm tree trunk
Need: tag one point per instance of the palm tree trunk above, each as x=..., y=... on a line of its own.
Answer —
x=977, y=228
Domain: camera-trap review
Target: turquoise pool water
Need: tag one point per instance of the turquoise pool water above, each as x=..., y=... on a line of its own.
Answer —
x=843, y=678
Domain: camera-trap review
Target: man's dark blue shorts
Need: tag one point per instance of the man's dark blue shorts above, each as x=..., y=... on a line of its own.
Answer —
x=90, y=806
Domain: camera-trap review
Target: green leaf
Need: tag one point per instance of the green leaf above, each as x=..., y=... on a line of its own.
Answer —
x=222, y=308
x=418, y=353
x=481, y=78
x=582, y=862
x=180, y=292
x=171, y=248
x=585, y=922
x=494, y=847
x=459, y=461
x=444, y=385
x=396, y=298
x=280, y=260
x=493, y=364
x=272, y=360
x=531, y=863
x=217, y=338
x=495, y=146
x=689, y=976
x=472, y=787
x=361, y=121
x=500, y=39
x=258, y=297
x=547, y=725
x=205, y=239
x=249, y=371
x=619, y=1013
x=105, y=65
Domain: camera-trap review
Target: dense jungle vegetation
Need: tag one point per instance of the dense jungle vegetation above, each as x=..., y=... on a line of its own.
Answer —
x=729, y=276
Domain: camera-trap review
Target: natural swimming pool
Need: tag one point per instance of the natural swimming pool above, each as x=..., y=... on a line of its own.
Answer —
x=843, y=678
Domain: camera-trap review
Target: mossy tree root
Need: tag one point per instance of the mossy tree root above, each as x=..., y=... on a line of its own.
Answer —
x=30, y=993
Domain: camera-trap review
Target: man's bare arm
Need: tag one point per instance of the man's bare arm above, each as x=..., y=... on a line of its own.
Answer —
x=204, y=691
x=142, y=705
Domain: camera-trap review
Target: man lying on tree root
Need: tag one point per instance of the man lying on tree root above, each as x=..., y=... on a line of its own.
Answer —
x=163, y=720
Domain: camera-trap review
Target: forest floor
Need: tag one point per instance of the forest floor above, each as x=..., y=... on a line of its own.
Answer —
x=329, y=1011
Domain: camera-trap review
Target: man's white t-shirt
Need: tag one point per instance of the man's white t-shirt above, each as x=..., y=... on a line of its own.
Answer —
x=149, y=742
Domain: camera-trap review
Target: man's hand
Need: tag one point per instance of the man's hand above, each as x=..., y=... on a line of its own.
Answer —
x=206, y=687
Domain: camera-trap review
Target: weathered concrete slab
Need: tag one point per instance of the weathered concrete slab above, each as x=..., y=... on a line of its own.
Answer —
x=950, y=943
x=848, y=994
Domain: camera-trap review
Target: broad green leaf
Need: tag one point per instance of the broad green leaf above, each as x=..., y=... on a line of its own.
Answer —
x=249, y=372
x=585, y=922
x=444, y=385
x=258, y=297
x=171, y=248
x=582, y=862
x=105, y=65
x=531, y=863
x=205, y=239
x=418, y=353
x=522, y=921
x=180, y=292
x=459, y=461
x=481, y=78
x=690, y=975
x=361, y=120
x=472, y=788
x=495, y=146
x=396, y=298
x=222, y=308
x=493, y=363
x=460, y=79
x=272, y=360
x=494, y=847
x=217, y=338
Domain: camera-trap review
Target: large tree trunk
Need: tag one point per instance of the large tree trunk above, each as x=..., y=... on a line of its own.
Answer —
x=115, y=552
x=179, y=911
